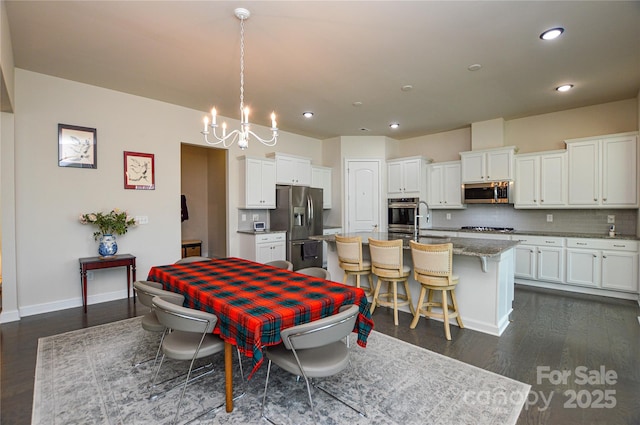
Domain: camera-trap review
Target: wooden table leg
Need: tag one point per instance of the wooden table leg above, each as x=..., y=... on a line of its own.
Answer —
x=83, y=279
x=228, y=375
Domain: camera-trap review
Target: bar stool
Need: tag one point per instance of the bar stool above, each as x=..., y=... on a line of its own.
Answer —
x=432, y=268
x=387, y=265
x=350, y=260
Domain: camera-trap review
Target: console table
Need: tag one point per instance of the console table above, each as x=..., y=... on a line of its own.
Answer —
x=96, y=263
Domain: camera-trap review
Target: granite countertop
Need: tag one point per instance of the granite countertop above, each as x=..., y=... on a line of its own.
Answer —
x=261, y=232
x=461, y=246
x=543, y=233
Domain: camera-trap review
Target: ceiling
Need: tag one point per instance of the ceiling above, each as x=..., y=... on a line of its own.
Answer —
x=323, y=56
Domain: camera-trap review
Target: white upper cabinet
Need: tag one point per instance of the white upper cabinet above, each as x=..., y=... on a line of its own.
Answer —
x=444, y=190
x=257, y=183
x=293, y=170
x=603, y=171
x=541, y=180
x=321, y=177
x=406, y=177
x=487, y=165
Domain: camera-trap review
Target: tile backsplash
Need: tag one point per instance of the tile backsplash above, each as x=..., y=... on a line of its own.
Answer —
x=564, y=220
x=247, y=223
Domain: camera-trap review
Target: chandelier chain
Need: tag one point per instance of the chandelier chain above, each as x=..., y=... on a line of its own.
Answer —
x=241, y=66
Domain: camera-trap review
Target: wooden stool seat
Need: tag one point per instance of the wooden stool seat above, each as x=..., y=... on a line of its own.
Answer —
x=350, y=260
x=387, y=265
x=432, y=267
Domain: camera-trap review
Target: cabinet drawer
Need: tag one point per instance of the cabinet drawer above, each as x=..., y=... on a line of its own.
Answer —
x=611, y=245
x=538, y=240
x=270, y=237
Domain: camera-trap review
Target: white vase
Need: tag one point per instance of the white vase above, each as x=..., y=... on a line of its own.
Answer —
x=107, y=246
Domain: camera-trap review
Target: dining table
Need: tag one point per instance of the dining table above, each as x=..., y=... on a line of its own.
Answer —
x=254, y=302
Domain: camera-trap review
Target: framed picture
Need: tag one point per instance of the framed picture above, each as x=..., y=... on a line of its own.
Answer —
x=77, y=146
x=139, y=171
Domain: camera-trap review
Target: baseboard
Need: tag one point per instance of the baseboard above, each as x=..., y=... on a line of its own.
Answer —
x=71, y=303
x=9, y=316
x=578, y=289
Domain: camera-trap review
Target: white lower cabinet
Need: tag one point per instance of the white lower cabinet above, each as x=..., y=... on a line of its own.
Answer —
x=263, y=248
x=540, y=258
x=605, y=264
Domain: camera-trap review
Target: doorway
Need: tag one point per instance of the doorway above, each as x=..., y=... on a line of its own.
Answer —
x=203, y=184
x=363, y=195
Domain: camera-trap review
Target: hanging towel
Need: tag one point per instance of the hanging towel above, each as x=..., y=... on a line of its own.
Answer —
x=309, y=250
x=183, y=208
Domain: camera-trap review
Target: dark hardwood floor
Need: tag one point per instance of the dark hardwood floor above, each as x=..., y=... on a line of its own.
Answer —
x=551, y=332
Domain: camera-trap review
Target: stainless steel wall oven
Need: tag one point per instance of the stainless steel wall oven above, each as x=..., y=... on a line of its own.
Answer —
x=401, y=215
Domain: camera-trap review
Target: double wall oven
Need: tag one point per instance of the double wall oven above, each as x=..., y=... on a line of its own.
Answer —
x=401, y=215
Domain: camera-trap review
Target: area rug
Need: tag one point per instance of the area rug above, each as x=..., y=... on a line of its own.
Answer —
x=87, y=377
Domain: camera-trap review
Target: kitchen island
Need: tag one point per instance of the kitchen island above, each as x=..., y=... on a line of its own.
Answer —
x=485, y=267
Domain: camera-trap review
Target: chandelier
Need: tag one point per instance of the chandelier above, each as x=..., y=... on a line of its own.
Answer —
x=242, y=134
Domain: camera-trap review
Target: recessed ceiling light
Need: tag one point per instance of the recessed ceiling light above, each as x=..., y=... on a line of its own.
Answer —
x=564, y=87
x=474, y=67
x=357, y=103
x=307, y=114
x=394, y=125
x=552, y=33
x=407, y=87
x=365, y=129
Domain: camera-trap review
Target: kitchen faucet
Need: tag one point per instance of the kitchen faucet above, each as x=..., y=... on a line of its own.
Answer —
x=416, y=216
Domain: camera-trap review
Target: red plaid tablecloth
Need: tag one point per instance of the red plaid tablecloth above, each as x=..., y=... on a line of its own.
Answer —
x=254, y=302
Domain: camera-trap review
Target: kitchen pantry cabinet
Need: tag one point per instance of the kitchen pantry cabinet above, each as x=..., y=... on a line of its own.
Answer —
x=603, y=171
x=601, y=263
x=263, y=248
x=257, y=183
x=406, y=177
x=444, y=185
x=487, y=165
x=293, y=170
x=541, y=180
x=321, y=177
x=540, y=258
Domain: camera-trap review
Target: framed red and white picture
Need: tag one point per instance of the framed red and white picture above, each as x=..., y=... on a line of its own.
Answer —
x=139, y=171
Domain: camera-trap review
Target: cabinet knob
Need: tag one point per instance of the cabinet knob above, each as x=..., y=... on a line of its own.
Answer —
x=604, y=199
x=604, y=256
x=534, y=200
x=541, y=200
x=595, y=256
x=595, y=199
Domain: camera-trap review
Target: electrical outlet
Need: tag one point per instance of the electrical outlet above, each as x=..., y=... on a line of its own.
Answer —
x=142, y=219
x=244, y=217
x=611, y=219
x=549, y=218
x=448, y=216
x=89, y=275
x=256, y=217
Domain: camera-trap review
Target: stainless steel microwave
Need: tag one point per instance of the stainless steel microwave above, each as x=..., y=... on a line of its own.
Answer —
x=488, y=193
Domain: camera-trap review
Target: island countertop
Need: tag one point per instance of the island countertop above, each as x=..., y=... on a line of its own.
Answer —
x=461, y=246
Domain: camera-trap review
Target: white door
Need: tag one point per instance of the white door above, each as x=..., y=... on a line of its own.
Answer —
x=363, y=195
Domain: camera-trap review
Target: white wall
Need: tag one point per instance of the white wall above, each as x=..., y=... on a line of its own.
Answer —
x=49, y=238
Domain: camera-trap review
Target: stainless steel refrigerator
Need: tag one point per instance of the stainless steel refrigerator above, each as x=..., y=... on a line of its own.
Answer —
x=299, y=212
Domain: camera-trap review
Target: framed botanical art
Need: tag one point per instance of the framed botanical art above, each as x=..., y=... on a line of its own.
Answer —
x=77, y=146
x=139, y=171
